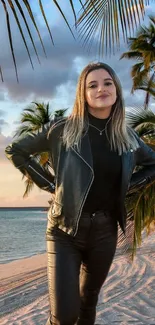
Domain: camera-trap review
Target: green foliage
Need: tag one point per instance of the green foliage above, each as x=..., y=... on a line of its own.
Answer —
x=142, y=49
x=140, y=200
x=33, y=119
x=101, y=20
x=28, y=186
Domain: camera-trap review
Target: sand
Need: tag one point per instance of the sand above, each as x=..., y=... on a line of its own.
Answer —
x=127, y=297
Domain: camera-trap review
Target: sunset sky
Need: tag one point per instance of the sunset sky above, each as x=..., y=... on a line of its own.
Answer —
x=53, y=81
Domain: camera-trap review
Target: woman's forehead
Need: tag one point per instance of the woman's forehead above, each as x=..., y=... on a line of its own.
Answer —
x=98, y=74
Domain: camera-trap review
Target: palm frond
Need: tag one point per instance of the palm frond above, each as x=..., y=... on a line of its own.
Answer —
x=27, y=27
x=21, y=31
x=29, y=109
x=64, y=17
x=140, y=199
x=45, y=19
x=143, y=81
x=10, y=36
x=29, y=184
x=138, y=116
x=37, y=115
x=30, y=12
x=140, y=204
x=136, y=68
x=131, y=55
x=1, y=74
x=21, y=5
x=152, y=18
x=104, y=19
x=43, y=158
x=23, y=130
x=150, y=140
x=140, y=79
x=142, y=48
x=144, y=211
x=128, y=16
x=27, y=117
x=60, y=112
x=34, y=118
x=151, y=89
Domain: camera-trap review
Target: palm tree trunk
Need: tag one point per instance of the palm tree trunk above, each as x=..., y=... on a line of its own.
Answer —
x=147, y=100
x=148, y=95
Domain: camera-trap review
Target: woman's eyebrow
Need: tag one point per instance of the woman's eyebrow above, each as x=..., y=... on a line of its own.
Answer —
x=96, y=80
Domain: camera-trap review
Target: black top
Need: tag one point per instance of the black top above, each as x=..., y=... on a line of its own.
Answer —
x=105, y=190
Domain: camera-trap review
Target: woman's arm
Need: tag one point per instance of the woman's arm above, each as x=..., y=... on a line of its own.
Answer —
x=21, y=153
x=145, y=157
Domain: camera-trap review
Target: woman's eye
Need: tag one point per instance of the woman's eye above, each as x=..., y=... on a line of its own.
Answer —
x=92, y=86
x=108, y=83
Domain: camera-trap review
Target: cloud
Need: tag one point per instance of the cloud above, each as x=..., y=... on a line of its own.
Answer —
x=2, y=112
x=2, y=122
x=2, y=96
x=53, y=71
x=4, y=141
x=60, y=68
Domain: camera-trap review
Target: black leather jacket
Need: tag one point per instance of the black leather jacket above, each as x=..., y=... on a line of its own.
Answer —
x=72, y=173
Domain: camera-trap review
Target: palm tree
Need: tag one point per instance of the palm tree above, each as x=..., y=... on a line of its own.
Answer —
x=101, y=20
x=142, y=48
x=147, y=85
x=140, y=201
x=60, y=113
x=34, y=118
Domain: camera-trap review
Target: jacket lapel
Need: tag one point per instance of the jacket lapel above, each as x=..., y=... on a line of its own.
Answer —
x=85, y=150
x=127, y=167
x=127, y=163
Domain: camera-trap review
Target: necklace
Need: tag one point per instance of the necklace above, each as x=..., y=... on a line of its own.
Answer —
x=100, y=131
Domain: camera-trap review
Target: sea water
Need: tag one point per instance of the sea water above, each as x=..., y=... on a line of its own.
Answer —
x=22, y=233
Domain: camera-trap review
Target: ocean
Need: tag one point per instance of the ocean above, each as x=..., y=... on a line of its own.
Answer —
x=22, y=233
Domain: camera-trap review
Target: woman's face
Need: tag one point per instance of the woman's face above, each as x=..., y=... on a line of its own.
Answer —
x=100, y=91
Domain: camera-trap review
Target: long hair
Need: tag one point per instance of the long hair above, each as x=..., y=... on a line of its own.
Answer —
x=121, y=137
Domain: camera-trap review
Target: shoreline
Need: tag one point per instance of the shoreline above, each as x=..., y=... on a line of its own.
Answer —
x=23, y=265
x=22, y=258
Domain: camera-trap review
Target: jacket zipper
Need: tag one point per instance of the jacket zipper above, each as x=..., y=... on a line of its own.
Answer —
x=51, y=184
x=53, y=187
x=79, y=214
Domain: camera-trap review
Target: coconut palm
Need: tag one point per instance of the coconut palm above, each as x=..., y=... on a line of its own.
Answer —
x=142, y=48
x=33, y=119
x=60, y=113
x=148, y=85
x=98, y=20
x=140, y=200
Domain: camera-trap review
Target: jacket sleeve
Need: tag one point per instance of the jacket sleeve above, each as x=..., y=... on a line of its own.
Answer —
x=21, y=154
x=145, y=157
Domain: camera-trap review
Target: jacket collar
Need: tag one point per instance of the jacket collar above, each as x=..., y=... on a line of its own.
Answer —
x=85, y=150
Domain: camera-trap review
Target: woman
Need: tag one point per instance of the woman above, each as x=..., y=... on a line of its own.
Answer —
x=92, y=154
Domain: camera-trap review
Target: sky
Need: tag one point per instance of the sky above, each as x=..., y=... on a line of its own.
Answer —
x=53, y=80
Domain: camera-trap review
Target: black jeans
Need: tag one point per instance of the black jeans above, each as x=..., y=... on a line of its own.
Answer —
x=78, y=267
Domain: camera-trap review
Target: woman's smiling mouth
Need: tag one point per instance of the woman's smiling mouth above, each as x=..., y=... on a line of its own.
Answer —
x=102, y=96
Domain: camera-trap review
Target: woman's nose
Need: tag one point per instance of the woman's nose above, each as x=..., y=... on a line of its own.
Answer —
x=101, y=88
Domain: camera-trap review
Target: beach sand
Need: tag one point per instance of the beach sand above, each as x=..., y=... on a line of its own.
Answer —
x=127, y=297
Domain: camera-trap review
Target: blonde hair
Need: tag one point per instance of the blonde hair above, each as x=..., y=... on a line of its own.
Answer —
x=121, y=137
